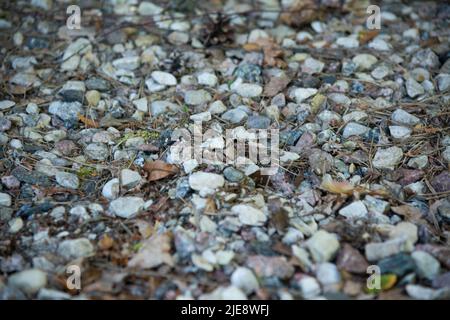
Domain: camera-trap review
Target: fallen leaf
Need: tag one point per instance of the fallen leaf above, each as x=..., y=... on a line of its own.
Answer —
x=337, y=187
x=158, y=170
x=90, y=123
x=153, y=252
x=367, y=35
x=144, y=227
x=106, y=242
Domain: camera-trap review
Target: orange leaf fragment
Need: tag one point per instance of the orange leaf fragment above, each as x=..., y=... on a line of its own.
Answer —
x=337, y=187
x=90, y=123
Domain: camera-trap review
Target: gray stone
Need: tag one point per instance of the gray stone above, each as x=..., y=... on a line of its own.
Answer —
x=28, y=281
x=67, y=180
x=355, y=210
x=126, y=207
x=427, y=266
x=244, y=279
x=236, y=115
x=413, y=88
x=402, y=117
x=381, y=250
x=97, y=151
x=323, y=246
x=67, y=111
x=160, y=107
x=258, y=122
x=75, y=248
x=354, y=129
x=387, y=158
x=129, y=178
x=197, y=97
x=5, y=200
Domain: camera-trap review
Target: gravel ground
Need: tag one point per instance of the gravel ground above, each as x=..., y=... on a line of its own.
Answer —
x=358, y=208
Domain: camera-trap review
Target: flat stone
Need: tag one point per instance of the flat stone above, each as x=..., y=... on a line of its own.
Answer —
x=400, y=132
x=5, y=200
x=28, y=281
x=364, y=61
x=164, y=78
x=258, y=122
x=67, y=111
x=160, y=107
x=265, y=266
x=249, y=90
x=427, y=266
x=126, y=207
x=301, y=94
x=129, y=178
x=355, y=210
x=75, y=248
x=402, y=117
x=244, y=279
x=399, y=264
x=413, y=88
x=205, y=181
x=406, y=230
x=97, y=151
x=197, y=97
x=387, y=158
x=235, y=115
x=323, y=246
x=309, y=287
x=351, y=260
x=381, y=250
x=249, y=215
x=354, y=129
x=67, y=180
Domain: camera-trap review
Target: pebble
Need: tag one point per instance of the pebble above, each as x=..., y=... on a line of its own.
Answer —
x=276, y=266
x=5, y=200
x=235, y=115
x=309, y=287
x=348, y=42
x=129, y=178
x=400, y=132
x=258, y=122
x=329, y=277
x=387, y=158
x=350, y=260
x=354, y=129
x=10, y=182
x=381, y=250
x=406, y=230
x=419, y=162
x=67, y=111
x=249, y=90
x=29, y=281
x=126, y=207
x=356, y=210
x=207, y=79
x=197, y=97
x=164, y=78
x=402, y=117
x=75, y=248
x=301, y=94
x=161, y=107
x=399, y=264
x=249, y=215
x=323, y=246
x=6, y=104
x=244, y=279
x=413, y=88
x=427, y=266
x=233, y=175
x=67, y=180
x=97, y=151
x=15, y=225
x=364, y=61
x=73, y=91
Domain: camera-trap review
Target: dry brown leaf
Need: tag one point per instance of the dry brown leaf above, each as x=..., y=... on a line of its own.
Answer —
x=367, y=35
x=106, y=242
x=338, y=187
x=90, y=123
x=159, y=169
x=154, y=252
